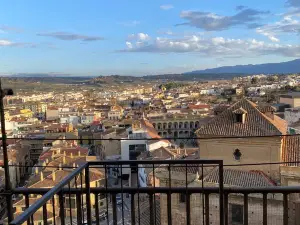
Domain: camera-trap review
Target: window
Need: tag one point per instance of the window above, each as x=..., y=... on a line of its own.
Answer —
x=182, y=198
x=237, y=213
x=237, y=154
x=239, y=118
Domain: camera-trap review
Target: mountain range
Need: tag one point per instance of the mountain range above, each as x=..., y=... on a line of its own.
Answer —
x=267, y=68
x=225, y=72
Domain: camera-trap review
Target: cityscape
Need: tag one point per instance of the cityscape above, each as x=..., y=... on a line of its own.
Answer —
x=189, y=123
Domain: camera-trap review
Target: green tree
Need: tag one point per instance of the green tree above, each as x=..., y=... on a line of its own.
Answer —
x=254, y=80
x=181, y=145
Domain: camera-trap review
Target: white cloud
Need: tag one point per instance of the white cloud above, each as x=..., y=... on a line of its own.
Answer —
x=214, y=47
x=139, y=37
x=128, y=44
x=212, y=22
x=6, y=43
x=166, y=7
x=132, y=23
x=286, y=25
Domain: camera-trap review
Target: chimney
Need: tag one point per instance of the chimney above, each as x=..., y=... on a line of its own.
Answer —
x=36, y=170
x=270, y=115
x=74, y=165
x=71, y=155
x=64, y=159
x=53, y=175
x=60, y=166
x=47, y=161
x=79, y=153
x=42, y=176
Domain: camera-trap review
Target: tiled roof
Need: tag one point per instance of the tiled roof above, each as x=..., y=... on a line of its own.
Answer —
x=159, y=154
x=150, y=129
x=240, y=178
x=49, y=181
x=256, y=123
x=143, y=212
x=191, y=106
x=266, y=108
x=291, y=150
x=240, y=111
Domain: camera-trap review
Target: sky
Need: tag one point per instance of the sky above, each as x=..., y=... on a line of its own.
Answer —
x=135, y=37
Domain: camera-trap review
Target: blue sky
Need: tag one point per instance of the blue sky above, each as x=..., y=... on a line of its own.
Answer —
x=144, y=37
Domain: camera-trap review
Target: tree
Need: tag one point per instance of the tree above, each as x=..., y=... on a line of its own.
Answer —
x=132, y=104
x=181, y=145
x=254, y=80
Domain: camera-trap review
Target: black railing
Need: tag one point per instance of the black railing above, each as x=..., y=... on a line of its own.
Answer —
x=130, y=204
x=83, y=198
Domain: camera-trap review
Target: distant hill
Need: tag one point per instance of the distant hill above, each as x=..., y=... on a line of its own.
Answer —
x=268, y=68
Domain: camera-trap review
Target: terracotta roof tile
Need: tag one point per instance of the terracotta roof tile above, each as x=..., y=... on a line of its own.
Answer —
x=291, y=150
x=240, y=178
x=256, y=123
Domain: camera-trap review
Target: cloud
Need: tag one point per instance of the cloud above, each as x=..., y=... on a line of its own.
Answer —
x=240, y=7
x=7, y=43
x=139, y=37
x=286, y=25
x=9, y=28
x=293, y=12
x=293, y=3
x=132, y=23
x=166, y=7
x=214, y=47
x=213, y=22
x=70, y=36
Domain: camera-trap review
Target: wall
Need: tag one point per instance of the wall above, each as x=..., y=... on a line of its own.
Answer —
x=292, y=115
x=125, y=151
x=253, y=150
x=289, y=101
x=158, y=144
x=51, y=114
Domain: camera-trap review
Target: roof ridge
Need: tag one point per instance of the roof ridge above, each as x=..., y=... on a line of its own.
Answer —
x=265, y=176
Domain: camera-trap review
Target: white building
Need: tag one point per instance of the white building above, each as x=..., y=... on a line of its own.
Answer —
x=131, y=147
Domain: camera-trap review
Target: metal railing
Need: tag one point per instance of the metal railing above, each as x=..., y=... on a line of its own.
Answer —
x=168, y=197
x=123, y=204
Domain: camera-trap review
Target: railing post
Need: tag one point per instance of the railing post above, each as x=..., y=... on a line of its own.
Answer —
x=88, y=195
x=61, y=208
x=265, y=209
x=78, y=207
x=132, y=209
x=206, y=208
x=114, y=207
x=245, y=209
x=221, y=193
x=285, y=209
x=8, y=186
x=226, y=209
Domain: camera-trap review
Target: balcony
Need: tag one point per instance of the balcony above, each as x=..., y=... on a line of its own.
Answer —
x=167, y=199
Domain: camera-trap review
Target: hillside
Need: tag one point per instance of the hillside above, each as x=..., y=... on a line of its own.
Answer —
x=268, y=68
